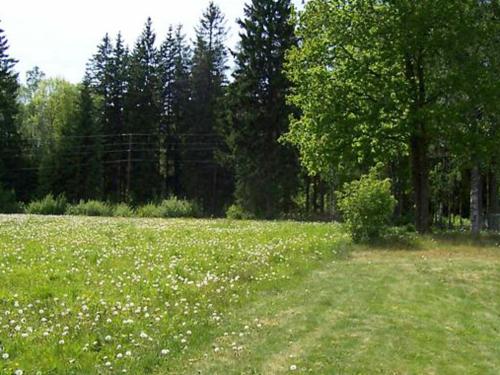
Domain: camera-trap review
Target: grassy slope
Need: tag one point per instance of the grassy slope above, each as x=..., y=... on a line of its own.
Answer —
x=433, y=308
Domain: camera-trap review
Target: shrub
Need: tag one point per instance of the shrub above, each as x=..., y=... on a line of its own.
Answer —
x=236, y=212
x=169, y=208
x=174, y=207
x=123, y=210
x=90, y=208
x=367, y=206
x=8, y=202
x=148, y=210
x=48, y=206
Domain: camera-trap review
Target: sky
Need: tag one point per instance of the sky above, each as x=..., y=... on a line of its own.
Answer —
x=59, y=36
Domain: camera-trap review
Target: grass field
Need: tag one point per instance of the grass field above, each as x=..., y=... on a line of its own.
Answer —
x=91, y=295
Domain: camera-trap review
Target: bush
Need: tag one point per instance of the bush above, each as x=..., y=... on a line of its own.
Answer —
x=48, y=206
x=174, y=207
x=123, y=210
x=90, y=208
x=169, y=208
x=8, y=202
x=367, y=206
x=236, y=212
x=148, y=210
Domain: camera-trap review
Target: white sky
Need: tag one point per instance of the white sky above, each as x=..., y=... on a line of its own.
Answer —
x=60, y=36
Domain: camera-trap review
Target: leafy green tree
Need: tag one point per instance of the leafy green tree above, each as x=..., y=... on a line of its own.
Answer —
x=266, y=170
x=373, y=81
x=55, y=113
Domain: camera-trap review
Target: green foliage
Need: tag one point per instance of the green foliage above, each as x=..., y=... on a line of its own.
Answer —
x=367, y=205
x=8, y=202
x=236, y=212
x=123, y=210
x=169, y=208
x=48, y=206
x=90, y=208
x=148, y=210
x=174, y=207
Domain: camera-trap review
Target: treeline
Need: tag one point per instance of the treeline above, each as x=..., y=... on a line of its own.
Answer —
x=316, y=98
x=163, y=119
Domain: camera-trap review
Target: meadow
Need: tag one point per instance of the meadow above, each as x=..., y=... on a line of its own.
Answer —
x=85, y=295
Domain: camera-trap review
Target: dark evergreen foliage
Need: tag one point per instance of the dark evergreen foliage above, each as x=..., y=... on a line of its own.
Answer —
x=266, y=170
x=202, y=139
x=11, y=149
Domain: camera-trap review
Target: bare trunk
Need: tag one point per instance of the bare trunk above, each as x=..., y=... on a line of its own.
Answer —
x=475, y=201
x=420, y=179
x=493, y=201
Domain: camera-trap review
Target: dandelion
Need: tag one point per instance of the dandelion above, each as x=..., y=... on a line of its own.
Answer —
x=5, y=356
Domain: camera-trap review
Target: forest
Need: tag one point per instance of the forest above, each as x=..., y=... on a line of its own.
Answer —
x=308, y=101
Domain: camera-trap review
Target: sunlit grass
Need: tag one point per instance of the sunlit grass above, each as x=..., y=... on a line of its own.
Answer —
x=93, y=295
x=152, y=296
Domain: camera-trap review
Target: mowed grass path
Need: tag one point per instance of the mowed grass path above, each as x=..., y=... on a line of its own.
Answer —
x=430, y=311
x=306, y=306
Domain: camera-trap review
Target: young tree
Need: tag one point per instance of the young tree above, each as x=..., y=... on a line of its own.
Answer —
x=266, y=170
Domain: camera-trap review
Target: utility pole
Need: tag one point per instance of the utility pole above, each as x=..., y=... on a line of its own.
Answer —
x=129, y=166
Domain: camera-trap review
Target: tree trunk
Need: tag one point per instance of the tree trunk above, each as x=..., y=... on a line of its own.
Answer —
x=420, y=179
x=492, y=201
x=475, y=201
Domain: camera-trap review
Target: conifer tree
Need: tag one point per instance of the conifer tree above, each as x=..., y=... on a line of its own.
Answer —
x=142, y=111
x=266, y=171
x=10, y=140
x=86, y=144
x=107, y=73
x=208, y=81
x=174, y=66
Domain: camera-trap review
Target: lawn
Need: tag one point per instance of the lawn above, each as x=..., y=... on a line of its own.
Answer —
x=92, y=295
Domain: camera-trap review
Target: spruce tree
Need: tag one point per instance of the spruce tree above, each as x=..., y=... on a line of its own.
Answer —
x=174, y=67
x=266, y=171
x=11, y=162
x=114, y=141
x=87, y=145
x=200, y=144
x=142, y=111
